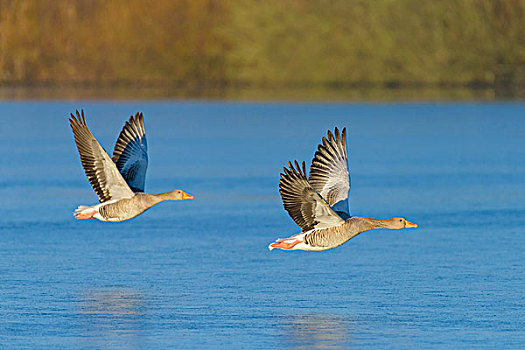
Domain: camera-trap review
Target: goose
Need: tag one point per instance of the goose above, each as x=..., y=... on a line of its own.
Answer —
x=119, y=181
x=319, y=203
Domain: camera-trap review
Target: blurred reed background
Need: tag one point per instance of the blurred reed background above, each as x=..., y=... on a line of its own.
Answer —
x=272, y=49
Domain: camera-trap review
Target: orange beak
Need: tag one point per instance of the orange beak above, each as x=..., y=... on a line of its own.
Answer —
x=410, y=225
x=186, y=196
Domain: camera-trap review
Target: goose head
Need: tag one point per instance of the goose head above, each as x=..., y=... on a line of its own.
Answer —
x=176, y=195
x=399, y=223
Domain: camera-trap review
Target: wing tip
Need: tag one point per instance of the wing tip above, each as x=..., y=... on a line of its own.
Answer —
x=135, y=125
x=292, y=173
x=337, y=136
x=330, y=135
x=295, y=169
x=77, y=120
x=137, y=117
x=331, y=147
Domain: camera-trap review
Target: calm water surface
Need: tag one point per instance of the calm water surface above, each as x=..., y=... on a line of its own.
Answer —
x=197, y=274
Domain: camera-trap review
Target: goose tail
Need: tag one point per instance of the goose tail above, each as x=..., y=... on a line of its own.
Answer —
x=287, y=243
x=85, y=212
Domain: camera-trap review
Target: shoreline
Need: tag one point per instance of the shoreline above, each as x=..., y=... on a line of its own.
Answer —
x=277, y=93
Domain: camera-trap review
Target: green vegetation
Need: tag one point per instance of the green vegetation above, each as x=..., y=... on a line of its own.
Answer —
x=271, y=43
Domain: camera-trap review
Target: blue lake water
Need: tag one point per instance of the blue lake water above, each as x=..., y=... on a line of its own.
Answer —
x=198, y=274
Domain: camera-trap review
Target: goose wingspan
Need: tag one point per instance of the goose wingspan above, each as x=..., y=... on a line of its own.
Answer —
x=303, y=203
x=131, y=153
x=100, y=169
x=329, y=174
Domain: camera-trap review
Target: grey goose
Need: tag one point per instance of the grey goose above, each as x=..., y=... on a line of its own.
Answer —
x=319, y=204
x=119, y=181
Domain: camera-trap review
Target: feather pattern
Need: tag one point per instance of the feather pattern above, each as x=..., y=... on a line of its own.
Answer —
x=329, y=174
x=128, y=208
x=99, y=168
x=303, y=203
x=335, y=236
x=131, y=153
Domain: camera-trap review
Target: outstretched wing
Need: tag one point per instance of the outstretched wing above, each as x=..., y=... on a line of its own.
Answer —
x=329, y=174
x=131, y=153
x=100, y=169
x=304, y=205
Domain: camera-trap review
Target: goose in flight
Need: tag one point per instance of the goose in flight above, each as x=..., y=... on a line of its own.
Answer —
x=319, y=204
x=118, y=181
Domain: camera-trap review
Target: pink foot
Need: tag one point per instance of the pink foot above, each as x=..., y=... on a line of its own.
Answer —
x=85, y=215
x=285, y=245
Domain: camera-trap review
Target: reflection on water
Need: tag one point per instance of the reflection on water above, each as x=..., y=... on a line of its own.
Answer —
x=112, y=317
x=317, y=331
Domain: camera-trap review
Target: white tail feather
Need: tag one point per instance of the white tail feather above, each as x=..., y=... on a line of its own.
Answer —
x=80, y=208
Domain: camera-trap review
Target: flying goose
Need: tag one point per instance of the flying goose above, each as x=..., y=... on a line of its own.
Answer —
x=118, y=181
x=319, y=204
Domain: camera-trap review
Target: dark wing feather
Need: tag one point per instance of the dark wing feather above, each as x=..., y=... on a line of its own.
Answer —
x=131, y=153
x=329, y=174
x=100, y=169
x=304, y=205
